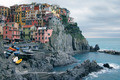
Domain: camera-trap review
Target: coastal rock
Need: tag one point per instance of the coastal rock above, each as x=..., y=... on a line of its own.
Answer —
x=62, y=41
x=1, y=49
x=94, y=49
x=77, y=72
x=107, y=66
x=61, y=59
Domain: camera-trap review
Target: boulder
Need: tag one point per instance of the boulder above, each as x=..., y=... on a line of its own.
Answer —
x=107, y=66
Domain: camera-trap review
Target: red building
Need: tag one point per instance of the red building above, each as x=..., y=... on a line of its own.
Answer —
x=11, y=31
x=42, y=35
x=34, y=22
x=36, y=7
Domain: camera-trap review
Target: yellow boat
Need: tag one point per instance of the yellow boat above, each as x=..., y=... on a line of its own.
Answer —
x=19, y=61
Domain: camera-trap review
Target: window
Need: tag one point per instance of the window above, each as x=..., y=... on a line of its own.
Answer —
x=29, y=28
x=6, y=24
x=6, y=37
x=48, y=34
x=6, y=32
x=12, y=25
x=23, y=28
x=39, y=38
x=42, y=37
x=38, y=31
x=36, y=37
x=6, y=27
x=45, y=37
x=36, y=34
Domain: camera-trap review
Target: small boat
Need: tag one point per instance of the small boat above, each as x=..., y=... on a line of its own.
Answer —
x=27, y=51
x=18, y=61
x=15, y=59
x=12, y=49
x=16, y=52
x=25, y=48
x=8, y=53
x=34, y=49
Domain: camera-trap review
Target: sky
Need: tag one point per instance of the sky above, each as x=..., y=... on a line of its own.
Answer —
x=96, y=18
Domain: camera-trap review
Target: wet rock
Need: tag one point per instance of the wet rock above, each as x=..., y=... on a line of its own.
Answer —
x=107, y=66
x=77, y=72
x=94, y=49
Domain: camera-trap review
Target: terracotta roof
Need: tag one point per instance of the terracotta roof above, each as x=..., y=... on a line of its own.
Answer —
x=27, y=26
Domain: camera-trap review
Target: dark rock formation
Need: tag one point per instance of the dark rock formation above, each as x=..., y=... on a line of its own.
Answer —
x=113, y=52
x=96, y=48
x=107, y=66
x=77, y=72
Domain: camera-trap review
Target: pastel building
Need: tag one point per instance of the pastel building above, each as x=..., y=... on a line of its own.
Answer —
x=42, y=35
x=29, y=32
x=11, y=31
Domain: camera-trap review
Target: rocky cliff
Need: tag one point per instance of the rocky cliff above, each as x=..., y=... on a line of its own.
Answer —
x=63, y=41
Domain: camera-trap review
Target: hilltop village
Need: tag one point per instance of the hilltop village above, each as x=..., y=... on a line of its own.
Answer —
x=30, y=21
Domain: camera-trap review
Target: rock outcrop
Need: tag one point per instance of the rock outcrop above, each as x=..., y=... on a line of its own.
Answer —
x=96, y=48
x=2, y=49
x=77, y=72
x=107, y=66
x=62, y=41
x=74, y=74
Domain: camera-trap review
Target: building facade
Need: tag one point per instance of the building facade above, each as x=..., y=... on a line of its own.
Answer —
x=42, y=35
x=11, y=31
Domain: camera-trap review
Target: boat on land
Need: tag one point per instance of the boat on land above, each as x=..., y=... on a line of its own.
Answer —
x=18, y=61
x=15, y=59
x=10, y=48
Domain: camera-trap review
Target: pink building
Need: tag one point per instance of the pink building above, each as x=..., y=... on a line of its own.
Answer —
x=11, y=31
x=42, y=35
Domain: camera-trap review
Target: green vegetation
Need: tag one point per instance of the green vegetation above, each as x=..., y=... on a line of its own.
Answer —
x=72, y=28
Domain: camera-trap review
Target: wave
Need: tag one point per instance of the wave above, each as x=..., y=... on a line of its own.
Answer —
x=104, y=70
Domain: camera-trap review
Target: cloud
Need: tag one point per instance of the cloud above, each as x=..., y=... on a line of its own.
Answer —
x=92, y=16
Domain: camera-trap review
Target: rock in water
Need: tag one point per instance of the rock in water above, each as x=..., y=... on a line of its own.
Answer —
x=96, y=47
x=107, y=66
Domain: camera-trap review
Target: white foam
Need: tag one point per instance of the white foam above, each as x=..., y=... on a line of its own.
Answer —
x=105, y=70
x=115, y=66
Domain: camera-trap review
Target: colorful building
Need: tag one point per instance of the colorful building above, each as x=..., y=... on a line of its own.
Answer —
x=42, y=35
x=11, y=31
x=4, y=11
x=29, y=32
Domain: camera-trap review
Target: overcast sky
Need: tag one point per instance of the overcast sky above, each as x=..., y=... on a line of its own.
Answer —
x=96, y=18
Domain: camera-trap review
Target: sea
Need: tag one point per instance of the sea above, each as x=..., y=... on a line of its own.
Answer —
x=100, y=58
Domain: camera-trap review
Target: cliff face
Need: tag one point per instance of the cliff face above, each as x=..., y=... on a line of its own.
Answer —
x=63, y=41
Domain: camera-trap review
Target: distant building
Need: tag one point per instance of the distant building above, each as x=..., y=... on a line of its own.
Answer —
x=42, y=35
x=11, y=31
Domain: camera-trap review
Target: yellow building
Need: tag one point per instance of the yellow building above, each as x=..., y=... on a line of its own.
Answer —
x=4, y=11
x=20, y=16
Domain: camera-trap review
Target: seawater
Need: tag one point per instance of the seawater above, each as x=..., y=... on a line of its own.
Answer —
x=100, y=58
